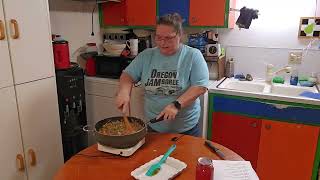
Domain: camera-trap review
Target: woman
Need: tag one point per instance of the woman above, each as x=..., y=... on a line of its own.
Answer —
x=173, y=75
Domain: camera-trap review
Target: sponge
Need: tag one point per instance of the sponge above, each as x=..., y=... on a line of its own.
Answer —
x=278, y=79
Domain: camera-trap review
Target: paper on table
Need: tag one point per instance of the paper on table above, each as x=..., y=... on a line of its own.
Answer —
x=233, y=170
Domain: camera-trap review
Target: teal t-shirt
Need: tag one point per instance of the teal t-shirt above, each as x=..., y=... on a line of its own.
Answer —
x=164, y=79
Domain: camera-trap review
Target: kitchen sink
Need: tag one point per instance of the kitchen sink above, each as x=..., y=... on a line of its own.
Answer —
x=288, y=90
x=248, y=86
x=262, y=87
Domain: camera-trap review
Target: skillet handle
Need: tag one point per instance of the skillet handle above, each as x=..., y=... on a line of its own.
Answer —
x=154, y=120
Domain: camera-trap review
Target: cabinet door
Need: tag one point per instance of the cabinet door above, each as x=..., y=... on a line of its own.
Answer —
x=207, y=12
x=40, y=126
x=114, y=13
x=10, y=136
x=179, y=6
x=5, y=66
x=239, y=133
x=31, y=51
x=286, y=150
x=141, y=12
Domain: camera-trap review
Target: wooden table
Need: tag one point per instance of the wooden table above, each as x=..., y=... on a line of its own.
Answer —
x=93, y=164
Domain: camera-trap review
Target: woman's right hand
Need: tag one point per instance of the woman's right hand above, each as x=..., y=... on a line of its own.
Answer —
x=122, y=103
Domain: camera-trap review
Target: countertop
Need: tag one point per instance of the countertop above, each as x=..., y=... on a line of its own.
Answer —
x=269, y=96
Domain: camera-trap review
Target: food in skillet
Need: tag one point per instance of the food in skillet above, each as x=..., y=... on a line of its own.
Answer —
x=118, y=128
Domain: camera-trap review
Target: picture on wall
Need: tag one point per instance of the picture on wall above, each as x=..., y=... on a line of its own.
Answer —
x=309, y=27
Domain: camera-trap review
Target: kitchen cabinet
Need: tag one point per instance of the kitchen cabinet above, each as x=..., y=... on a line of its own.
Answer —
x=11, y=155
x=178, y=6
x=144, y=12
x=129, y=13
x=141, y=12
x=28, y=36
x=239, y=133
x=285, y=142
x=114, y=13
x=207, y=12
x=100, y=100
x=30, y=127
x=293, y=147
x=40, y=127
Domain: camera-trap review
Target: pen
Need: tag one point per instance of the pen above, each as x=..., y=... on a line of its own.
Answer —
x=216, y=150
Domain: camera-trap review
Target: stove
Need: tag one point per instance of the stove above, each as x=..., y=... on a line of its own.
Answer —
x=122, y=152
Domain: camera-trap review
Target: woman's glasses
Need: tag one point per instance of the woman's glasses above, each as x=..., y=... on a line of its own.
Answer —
x=165, y=38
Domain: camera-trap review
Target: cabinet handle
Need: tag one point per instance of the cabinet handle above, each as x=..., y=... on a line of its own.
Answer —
x=20, y=162
x=2, y=33
x=254, y=124
x=15, y=32
x=32, y=155
x=268, y=126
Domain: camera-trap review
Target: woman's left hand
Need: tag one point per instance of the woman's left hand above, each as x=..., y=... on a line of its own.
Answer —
x=169, y=112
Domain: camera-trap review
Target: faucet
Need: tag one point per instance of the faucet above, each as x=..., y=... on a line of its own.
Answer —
x=270, y=74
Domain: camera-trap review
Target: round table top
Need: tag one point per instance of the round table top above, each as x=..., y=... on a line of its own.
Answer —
x=93, y=164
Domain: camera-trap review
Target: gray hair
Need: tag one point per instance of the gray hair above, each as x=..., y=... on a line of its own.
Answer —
x=174, y=20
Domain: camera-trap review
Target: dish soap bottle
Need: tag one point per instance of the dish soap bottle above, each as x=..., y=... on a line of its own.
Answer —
x=230, y=68
x=294, y=77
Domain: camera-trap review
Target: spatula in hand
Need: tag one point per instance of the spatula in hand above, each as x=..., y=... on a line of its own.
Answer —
x=153, y=168
x=129, y=128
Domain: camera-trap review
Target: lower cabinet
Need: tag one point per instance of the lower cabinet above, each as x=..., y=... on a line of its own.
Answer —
x=239, y=133
x=286, y=150
x=30, y=131
x=278, y=138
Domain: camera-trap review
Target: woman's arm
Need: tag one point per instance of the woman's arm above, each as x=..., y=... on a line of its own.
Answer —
x=124, y=92
x=191, y=95
x=188, y=97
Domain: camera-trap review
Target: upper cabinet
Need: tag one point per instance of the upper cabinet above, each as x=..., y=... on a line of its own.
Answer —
x=129, y=13
x=29, y=39
x=141, y=12
x=207, y=12
x=114, y=13
x=178, y=6
x=202, y=13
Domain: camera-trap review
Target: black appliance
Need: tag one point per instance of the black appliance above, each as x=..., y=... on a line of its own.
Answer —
x=144, y=43
x=72, y=109
x=110, y=66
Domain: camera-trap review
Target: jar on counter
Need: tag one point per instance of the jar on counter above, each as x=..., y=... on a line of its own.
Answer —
x=204, y=169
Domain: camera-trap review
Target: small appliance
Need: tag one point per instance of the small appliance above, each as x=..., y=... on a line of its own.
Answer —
x=72, y=109
x=213, y=50
x=61, y=54
x=122, y=152
x=111, y=67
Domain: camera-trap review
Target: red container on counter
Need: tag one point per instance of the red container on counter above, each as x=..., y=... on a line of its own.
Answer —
x=204, y=169
x=61, y=54
x=90, y=67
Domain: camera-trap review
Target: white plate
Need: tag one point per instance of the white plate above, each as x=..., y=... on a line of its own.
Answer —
x=170, y=169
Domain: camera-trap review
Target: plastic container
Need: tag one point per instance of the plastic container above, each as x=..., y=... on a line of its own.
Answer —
x=294, y=78
x=230, y=68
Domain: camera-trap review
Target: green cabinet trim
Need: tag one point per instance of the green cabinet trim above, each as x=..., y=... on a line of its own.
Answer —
x=316, y=165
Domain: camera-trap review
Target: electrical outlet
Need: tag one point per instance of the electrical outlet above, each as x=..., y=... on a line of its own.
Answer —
x=295, y=57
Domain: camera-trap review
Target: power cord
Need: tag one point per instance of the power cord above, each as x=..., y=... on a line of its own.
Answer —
x=94, y=8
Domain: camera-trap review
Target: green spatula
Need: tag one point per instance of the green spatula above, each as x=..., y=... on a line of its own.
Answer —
x=155, y=167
